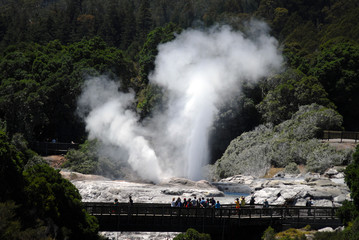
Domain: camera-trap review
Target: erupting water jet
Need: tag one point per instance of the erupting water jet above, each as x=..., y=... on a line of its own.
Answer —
x=198, y=70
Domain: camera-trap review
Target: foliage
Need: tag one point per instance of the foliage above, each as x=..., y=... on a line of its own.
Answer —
x=233, y=118
x=347, y=212
x=337, y=69
x=291, y=168
x=291, y=89
x=36, y=79
x=87, y=160
x=294, y=140
x=351, y=232
x=10, y=226
x=11, y=165
x=192, y=234
x=291, y=234
x=49, y=196
x=79, y=161
x=269, y=234
x=329, y=236
x=352, y=178
x=149, y=95
x=36, y=202
x=149, y=50
x=48, y=49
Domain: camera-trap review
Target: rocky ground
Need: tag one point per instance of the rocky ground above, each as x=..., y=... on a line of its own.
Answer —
x=323, y=189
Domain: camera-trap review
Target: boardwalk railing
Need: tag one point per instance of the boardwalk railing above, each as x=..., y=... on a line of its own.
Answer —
x=327, y=135
x=226, y=211
x=162, y=217
x=50, y=148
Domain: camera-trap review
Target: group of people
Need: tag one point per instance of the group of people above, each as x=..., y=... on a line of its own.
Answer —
x=117, y=203
x=240, y=202
x=200, y=202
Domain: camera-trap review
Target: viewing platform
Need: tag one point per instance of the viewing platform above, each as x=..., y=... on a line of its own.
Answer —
x=224, y=222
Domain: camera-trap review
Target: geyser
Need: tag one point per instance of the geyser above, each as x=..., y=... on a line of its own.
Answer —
x=198, y=69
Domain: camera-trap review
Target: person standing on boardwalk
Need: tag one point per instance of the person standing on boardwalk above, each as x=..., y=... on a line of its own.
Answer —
x=309, y=204
x=251, y=202
x=130, y=201
x=173, y=203
x=236, y=201
x=243, y=201
x=116, y=205
x=194, y=201
x=265, y=204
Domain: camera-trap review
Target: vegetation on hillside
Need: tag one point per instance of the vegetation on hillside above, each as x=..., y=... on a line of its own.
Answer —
x=49, y=48
x=36, y=202
x=293, y=141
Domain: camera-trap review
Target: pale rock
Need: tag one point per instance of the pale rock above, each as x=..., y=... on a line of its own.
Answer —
x=247, y=180
x=339, y=181
x=341, y=198
x=339, y=175
x=172, y=192
x=309, y=177
x=321, y=182
x=233, y=188
x=326, y=229
x=319, y=194
x=274, y=183
x=279, y=201
x=331, y=172
x=323, y=203
x=257, y=186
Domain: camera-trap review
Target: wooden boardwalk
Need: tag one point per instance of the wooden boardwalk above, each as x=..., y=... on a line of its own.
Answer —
x=225, y=221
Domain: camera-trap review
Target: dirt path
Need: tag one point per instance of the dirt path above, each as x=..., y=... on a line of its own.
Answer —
x=55, y=161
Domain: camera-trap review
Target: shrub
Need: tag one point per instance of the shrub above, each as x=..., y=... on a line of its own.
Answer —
x=192, y=234
x=269, y=234
x=293, y=141
x=292, y=168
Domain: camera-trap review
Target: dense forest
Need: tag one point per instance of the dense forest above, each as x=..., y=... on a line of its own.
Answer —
x=49, y=48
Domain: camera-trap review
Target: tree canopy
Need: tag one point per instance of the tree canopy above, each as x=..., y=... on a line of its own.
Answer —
x=36, y=202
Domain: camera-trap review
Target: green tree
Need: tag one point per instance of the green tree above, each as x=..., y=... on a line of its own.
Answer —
x=192, y=234
x=148, y=95
x=337, y=69
x=36, y=202
x=144, y=19
x=269, y=234
x=49, y=196
x=87, y=160
x=287, y=92
x=40, y=78
x=352, y=178
x=11, y=165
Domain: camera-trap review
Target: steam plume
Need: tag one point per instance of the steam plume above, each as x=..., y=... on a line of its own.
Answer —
x=198, y=69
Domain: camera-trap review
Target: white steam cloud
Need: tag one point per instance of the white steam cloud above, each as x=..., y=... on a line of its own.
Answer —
x=198, y=69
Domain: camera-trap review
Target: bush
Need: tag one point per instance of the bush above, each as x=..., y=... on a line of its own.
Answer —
x=292, y=168
x=88, y=160
x=192, y=234
x=269, y=234
x=55, y=200
x=293, y=141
